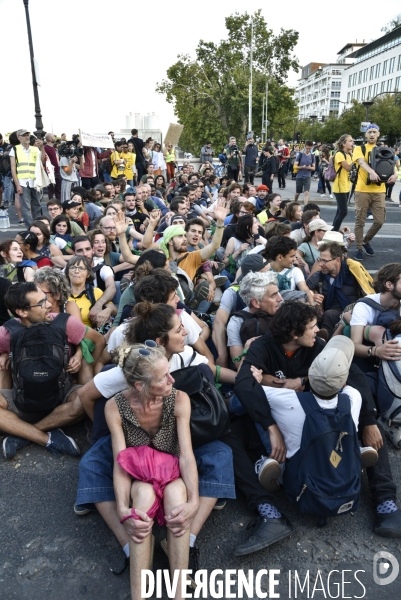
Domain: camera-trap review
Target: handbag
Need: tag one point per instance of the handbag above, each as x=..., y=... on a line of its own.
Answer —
x=209, y=414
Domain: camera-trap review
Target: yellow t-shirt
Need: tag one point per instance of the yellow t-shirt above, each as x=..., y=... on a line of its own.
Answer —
x=130, y=158
x=84, y=305
x=341, y=184
x=115, y=170
x=191, y=263
x=361, y=185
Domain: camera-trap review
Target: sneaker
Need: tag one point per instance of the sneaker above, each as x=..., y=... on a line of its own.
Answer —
x=201, y=292
x=262, y=533
x=59, y=443
x=368, y=249
x=21, y=221
x=393, y=432
x=193, y=562
x=220, y=504
x=369, y=456
x=323, y=195
x=268, y=471
x=84, y=509
x=220, y=280
x=370, y=217
x=331, y=196
x=12, y=444
x=358, y=255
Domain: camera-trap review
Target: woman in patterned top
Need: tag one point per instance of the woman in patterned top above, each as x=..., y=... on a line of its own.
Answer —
x=151, y=413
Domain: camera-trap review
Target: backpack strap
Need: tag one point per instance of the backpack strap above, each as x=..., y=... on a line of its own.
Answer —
x=373, y=304
x=192, y=358
x=344, y=403
x=308, y=402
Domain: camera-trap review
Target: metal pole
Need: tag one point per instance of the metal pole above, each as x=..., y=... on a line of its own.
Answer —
x=263, y=115
x=267, y=89
x=250, y=83
x=38, y=116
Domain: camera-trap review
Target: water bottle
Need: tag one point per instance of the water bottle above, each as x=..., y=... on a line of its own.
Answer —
x=3, y=220
x=346, y=236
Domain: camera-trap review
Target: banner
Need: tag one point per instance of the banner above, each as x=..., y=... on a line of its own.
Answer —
x=95, y=140
x=173, y=134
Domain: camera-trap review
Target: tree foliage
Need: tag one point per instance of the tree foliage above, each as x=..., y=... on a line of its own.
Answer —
x=210, y=93
x=392, y=24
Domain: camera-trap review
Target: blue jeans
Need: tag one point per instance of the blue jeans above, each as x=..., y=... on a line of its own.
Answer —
x=235, y=407
x=8, y=188
x=106, y=177
x=30, y=205
x=95, y=483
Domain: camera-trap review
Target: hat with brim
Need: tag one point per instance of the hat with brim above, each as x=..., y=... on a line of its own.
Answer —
x=251, y=263
x=22, y=131
x=70, y=204
x=329, y=371
x=319, y=224
x=330, y=237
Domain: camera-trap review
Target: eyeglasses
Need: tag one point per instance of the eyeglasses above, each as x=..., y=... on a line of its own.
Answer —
x=322, y=260
x=110, y=228
x=74, y=268
x=42, y=303
x=244, y=212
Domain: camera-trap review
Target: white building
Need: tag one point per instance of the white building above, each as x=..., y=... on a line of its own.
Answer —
x=320, y=87
x=147, y=126
x=377, y=69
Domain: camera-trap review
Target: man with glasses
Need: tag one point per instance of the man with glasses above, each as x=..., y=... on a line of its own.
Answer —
x=23, y=159
x=334, y=287
x=45, y=398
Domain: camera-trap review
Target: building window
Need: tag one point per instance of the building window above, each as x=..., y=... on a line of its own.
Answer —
x=354, y=79
x=372, y=73
x=369, y=92
x=391, y=65
x=363, y=94
x=353, y=94
x=360, y=77
x=397, y=84
x=377, y=71
x=336, y=84
x=335, y=94
x=389, y=85
x=349, y=81
x=334, y=104
x=385, y=65
x=349, y=94
x=365, y=75
x=358, y=94
x=383, y=86
x=399, y=63
x=375, y=89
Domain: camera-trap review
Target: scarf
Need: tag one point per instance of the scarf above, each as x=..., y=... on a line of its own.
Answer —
x=334, y=289
x=169, y=233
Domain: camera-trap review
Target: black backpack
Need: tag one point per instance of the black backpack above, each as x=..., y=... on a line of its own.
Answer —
x=5, y=162
x=254, y=324
x=382, y=161
x=39, y=356
x=209, y=414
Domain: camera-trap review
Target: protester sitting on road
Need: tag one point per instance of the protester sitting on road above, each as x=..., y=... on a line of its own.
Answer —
x=284, y=356
x=56, y=286
x=61, y=234
x=34, y=411
x=309, y=249
x=245, y=238
x=339, y=282
x=28, y=241
x=299, y=233
x=12, y=264
x=262, y=299
x=44, y=248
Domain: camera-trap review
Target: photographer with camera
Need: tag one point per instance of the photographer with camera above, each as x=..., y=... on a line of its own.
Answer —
x=71, y=156
x=233, y=154
x=251, y=158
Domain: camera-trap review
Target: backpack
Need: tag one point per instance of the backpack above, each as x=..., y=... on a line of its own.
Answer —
x=330, y=172
x=389, y=388
x=284, y=282
x=39, y=356
x=254, y=324
x=209, y=414
x=12, y=272
x=5, y=162
x=186, y=283
x=382, y=161
x=385, y=317
x=324, y=477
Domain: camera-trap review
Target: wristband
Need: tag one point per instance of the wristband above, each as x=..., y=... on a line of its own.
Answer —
x=238, y=358
x=217, y=378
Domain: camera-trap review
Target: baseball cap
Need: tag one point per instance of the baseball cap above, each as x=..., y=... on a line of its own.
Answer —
x=209, y=142
x=330, y=236
x=177, y=218
x=251, y=263
x=22, y=131
x=262, y=187
x=329, y=371
x=70, y=204
x=319, y=224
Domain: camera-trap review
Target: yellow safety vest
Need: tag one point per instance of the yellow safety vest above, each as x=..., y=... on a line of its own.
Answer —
x=26, y=170
x=170, y=156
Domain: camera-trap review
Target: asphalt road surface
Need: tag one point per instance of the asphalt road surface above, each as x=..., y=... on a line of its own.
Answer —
x=48, y=551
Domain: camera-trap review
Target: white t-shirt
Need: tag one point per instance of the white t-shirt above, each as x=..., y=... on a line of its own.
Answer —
x=298, y=235
x=193, y=330
x=290, y=416
x=103, y=273
x=112, y=381
x=363, y=314
x=295, y=275
x=93, y=164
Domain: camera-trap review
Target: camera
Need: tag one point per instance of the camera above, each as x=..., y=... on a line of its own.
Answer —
x=70, y=149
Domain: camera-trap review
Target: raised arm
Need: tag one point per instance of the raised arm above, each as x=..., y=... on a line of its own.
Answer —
x=220, y=213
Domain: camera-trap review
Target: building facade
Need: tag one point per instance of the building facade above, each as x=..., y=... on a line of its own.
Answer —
x=376, y=70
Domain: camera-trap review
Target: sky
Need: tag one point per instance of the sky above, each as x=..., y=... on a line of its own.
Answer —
x=98, y=60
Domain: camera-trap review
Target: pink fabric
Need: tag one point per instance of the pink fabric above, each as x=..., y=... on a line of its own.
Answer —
x=151, y=466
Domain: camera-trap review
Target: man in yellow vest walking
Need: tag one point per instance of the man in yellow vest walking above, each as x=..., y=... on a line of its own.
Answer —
x=23, y=159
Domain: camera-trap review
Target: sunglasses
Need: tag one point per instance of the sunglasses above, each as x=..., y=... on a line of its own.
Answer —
x=145, y=351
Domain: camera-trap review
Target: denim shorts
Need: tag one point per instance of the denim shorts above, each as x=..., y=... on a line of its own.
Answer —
x=95, y=483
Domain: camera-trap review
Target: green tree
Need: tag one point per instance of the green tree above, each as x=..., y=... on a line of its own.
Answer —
x=392, y=24
x=386, y=112
x=210, y=93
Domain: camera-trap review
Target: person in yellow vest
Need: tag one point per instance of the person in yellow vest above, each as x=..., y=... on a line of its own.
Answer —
x=23, y=159
x=169, y=157
x=368, y=195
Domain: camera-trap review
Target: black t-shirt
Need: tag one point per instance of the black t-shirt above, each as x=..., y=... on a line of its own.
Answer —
x=138, y=145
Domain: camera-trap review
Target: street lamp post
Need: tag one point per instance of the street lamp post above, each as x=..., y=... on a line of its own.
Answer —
x=367, y=104
x=281, y=125
x=250, y=82
x=38, y=116
x=313, y=117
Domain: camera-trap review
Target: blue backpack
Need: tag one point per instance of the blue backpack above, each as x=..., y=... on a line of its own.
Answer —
x=283, y=281
x=324, y=477
x=222, y=158
x=385, y=316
